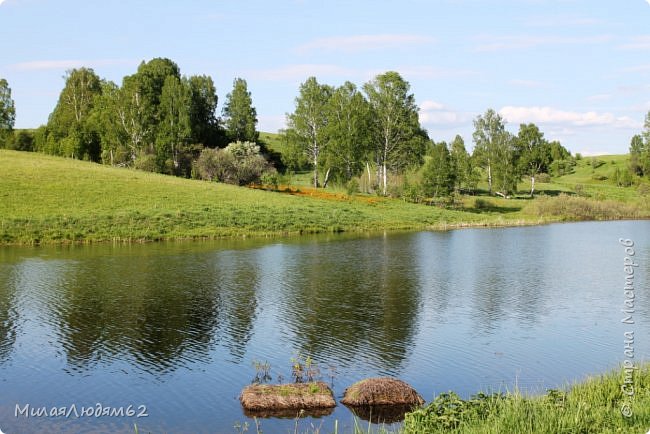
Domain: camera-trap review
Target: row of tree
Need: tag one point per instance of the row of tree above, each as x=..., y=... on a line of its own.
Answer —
x=160, y=121
x=340, y=131
x=156, y=120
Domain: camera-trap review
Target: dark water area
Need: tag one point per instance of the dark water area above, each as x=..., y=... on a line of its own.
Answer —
x=176, y=327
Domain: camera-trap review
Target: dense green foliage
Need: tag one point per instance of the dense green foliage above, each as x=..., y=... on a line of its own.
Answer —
x=153, y=121
x=340, y=130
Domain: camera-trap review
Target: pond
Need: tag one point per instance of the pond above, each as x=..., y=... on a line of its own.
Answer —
x=173, y=329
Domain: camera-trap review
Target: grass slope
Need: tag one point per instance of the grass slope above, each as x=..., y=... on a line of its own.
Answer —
x=593, y=406
x=47, y=199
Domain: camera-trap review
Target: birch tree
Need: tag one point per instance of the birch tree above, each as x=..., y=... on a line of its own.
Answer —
x=533, y=152
x=308, y=122
x=348, y=131
x=395, y=122
x=489, y=139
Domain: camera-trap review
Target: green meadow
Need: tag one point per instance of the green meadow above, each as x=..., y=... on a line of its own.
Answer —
x=45, y=199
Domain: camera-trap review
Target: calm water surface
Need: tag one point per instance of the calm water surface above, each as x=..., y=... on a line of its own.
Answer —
x=176, y=327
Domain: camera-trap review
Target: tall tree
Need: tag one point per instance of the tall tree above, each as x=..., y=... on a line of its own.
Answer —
x=7, y=113
x=68, y=124
x=136, y=115
x=113, y=136
x=491, y=142
x=533, y=151
x=348, y=131
x=639, y=155
x=174, y=129
x=438, y=175
x=307, y=124
x=460, y=163
x=203, y=107
x=396, y=123
x=240, y=117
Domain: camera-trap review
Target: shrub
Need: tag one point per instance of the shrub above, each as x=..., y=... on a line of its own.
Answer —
x=146, y=162
x=562, y=167
x=580, y=208
x=543, y=178
x=240, y=163
x=352, y=186
x=481, y=203
x=270, y=179
x=596, y=163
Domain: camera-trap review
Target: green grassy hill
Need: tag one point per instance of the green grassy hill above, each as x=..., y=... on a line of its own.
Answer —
x=47, y=199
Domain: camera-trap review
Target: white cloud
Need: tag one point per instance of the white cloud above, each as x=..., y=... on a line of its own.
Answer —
x=300, y=72
x=489, y=43
x=526, y=83
x=365, y=42
x=435, y=113
x=563, y=22
x=549, y=115
x=599, y=97
x=37, y=65
x=637, y=43
x=428, y=72
x=638, y=68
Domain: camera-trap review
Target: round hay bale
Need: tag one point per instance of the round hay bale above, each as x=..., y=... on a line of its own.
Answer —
x=381, y=391
x=272, y=397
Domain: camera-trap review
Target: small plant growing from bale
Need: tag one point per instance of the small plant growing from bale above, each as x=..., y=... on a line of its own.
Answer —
x=303, y=369
x=262, y=372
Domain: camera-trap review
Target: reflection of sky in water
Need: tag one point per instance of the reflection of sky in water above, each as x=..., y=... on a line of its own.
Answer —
x=177, y=326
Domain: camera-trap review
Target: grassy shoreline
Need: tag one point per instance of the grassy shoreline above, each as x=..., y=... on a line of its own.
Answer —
x=594, y=405
x=52, y=200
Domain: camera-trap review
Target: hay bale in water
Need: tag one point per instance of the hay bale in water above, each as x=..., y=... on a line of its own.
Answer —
x=381, y=391
x=267, y=397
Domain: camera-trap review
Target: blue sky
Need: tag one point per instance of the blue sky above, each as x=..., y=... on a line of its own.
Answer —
x=579, y=69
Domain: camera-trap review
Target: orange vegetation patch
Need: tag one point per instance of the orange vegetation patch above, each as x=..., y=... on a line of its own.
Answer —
x=318, y=193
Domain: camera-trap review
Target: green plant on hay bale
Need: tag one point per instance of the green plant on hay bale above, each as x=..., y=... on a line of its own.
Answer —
x=381, y=391
x=280, y=397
